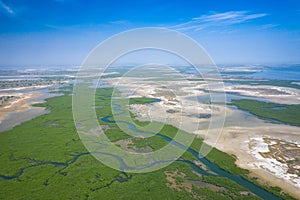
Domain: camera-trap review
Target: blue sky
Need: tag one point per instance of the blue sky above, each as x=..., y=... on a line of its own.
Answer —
x=62, y=32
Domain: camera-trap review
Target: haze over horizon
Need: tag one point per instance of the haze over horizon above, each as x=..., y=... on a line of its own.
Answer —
x=63, y=32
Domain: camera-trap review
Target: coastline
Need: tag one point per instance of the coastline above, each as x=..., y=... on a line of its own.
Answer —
x=239, y=128
x=235, y=141
x=21, y=110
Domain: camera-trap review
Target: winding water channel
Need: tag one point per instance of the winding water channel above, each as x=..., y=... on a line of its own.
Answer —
x=211, y=168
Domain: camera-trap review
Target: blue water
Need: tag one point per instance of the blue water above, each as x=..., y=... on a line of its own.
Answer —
x=206, y=99
x=211, y=166
x=291, y=72
x=281, y=73
x=278, y=108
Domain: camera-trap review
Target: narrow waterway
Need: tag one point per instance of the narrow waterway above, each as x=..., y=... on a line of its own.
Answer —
x=212, y=167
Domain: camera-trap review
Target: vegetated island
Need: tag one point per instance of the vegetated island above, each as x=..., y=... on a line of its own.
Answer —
x=273, y=112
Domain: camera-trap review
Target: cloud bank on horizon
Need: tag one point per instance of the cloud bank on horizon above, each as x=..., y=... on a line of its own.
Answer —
x=62, y=32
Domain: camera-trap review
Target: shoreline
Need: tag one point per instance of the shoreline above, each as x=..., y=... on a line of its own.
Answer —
x=235, y=141
x=239, y=127
x=21, y=109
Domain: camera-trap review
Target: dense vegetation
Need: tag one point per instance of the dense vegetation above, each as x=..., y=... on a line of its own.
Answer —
x=280, y=113
x=45, y=159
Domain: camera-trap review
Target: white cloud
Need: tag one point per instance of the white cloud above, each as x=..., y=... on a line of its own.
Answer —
x=6, y=9
x=218, y=20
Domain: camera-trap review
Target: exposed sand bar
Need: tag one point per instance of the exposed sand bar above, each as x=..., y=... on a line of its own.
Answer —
x=235, y=141
x=17, y=118
x=239, y=126
x=21, y=109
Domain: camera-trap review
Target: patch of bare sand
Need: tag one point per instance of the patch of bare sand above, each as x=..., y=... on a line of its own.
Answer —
x=235, y=141
x=282, y=95
x=19, y=109
x=239, y=126
x=29, y=87
x=187, y=185
x=17, y=105
x=128, y=145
